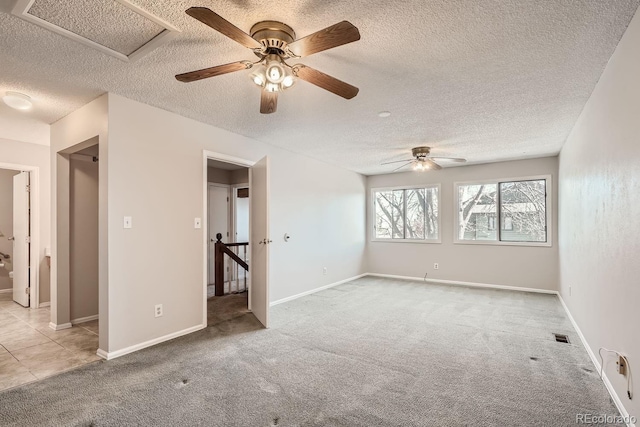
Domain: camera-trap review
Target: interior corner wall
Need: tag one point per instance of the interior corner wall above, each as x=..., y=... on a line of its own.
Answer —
x=518, y=266
x=80, y=129
x=600, y=211
x=156, y=177
x=37, y=155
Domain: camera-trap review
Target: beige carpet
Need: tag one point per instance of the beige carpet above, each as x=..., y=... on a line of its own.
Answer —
x=372, y=352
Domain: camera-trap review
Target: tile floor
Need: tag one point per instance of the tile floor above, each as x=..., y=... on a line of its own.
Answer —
x=30, y=350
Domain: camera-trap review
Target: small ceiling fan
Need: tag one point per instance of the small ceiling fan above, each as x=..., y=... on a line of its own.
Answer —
x=274, y=42
x=423, y=161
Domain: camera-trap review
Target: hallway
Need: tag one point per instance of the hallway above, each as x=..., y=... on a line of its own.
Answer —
x=30, y=350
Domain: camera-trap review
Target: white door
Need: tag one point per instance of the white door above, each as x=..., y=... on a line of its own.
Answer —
x=218, y=223
x=259, y=240
x=21, y=238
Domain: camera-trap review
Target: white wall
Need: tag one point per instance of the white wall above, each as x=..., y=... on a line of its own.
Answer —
x=15, y=154
x=19, y=126
x=520, y=266
x=160, y=260
x=600, y=213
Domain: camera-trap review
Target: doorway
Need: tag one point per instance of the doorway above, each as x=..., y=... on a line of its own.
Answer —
x=19, y=234
x=231, y=213
x=78, y=252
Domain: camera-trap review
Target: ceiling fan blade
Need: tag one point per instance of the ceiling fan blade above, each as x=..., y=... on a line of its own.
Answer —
x=336, y=35
x=218, y=23
x=268, y=102
x=325, y=81
x=432, y=165
x=213, y=71
x=396, y=161
x=397, y=169
x=450, y=159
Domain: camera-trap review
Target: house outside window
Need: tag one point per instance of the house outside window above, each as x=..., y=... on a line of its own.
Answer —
x=520, y=206
x=406, y=214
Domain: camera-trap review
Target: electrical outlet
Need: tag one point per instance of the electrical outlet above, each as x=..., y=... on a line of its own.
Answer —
x=436, y=266
x=158, y=310
x=324, y=270
x=621, y=365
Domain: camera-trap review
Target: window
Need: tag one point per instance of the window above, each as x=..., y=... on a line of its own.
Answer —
x=406, y=214
x=518, y=206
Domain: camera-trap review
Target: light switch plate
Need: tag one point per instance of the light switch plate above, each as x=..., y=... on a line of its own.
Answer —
x=128, y=222
x=197, y=223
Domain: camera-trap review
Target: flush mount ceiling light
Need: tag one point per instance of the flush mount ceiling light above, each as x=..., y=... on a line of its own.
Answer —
x=423, y=161
x=275, y=42
x=384, y=114
x=17, y=101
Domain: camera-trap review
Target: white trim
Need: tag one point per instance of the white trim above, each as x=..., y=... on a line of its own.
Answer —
x=497, y=181
x=313, y=291
x=60, y=327
x=467, y=284
x=6, y=291
x=21, y=10
x=614, y=396
x=45, y=304
x=109, y=355
x=372, y=214
x=84, y=319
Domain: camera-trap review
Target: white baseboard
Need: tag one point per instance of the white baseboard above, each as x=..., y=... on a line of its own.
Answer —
x=6, y=291
x=469, y=284
x=110, y=355
x=60, y=327
x=313, y=291
x=45, y=304
x=596, y=363
x=84, y=319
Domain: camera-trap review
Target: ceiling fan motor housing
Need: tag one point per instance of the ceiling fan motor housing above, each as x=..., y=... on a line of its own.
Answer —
x=420, y=152
x=273, y=34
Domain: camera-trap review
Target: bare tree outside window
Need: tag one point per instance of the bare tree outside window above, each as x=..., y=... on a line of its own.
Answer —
x=524, y=204
x=476, y=204
x=518, y=206
x=410, y=214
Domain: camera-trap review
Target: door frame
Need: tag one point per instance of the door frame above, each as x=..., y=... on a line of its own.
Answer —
x=234, y=202
x=34, y=229
x=228, y=188
x=213, y=155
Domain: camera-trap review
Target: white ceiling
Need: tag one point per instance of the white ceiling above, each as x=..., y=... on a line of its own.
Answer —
x=486, y=80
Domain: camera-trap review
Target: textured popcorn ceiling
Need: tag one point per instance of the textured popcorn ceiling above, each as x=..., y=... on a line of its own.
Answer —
x=105, y=22
x=485, y=80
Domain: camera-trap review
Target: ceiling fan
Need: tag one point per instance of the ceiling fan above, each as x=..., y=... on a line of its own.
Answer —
x=423, y=161
x=274, y=42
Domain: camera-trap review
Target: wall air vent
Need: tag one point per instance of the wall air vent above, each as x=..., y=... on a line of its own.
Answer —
x=561, y=338
x=115, y=27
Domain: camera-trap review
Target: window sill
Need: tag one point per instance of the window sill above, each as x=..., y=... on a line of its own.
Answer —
x=432, y=241
x=496, y=243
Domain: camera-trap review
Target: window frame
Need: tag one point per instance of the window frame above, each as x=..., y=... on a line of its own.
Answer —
x=372, y=214
x=548, y=213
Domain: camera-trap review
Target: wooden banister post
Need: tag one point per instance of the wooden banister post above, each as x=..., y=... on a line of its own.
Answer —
x=219, y=266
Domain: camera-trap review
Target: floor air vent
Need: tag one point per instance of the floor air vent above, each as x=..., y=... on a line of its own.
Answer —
x=561, y=338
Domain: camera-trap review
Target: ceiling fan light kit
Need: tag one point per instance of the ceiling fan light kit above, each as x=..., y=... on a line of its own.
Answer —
x=274, y=42
x=423, y=160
